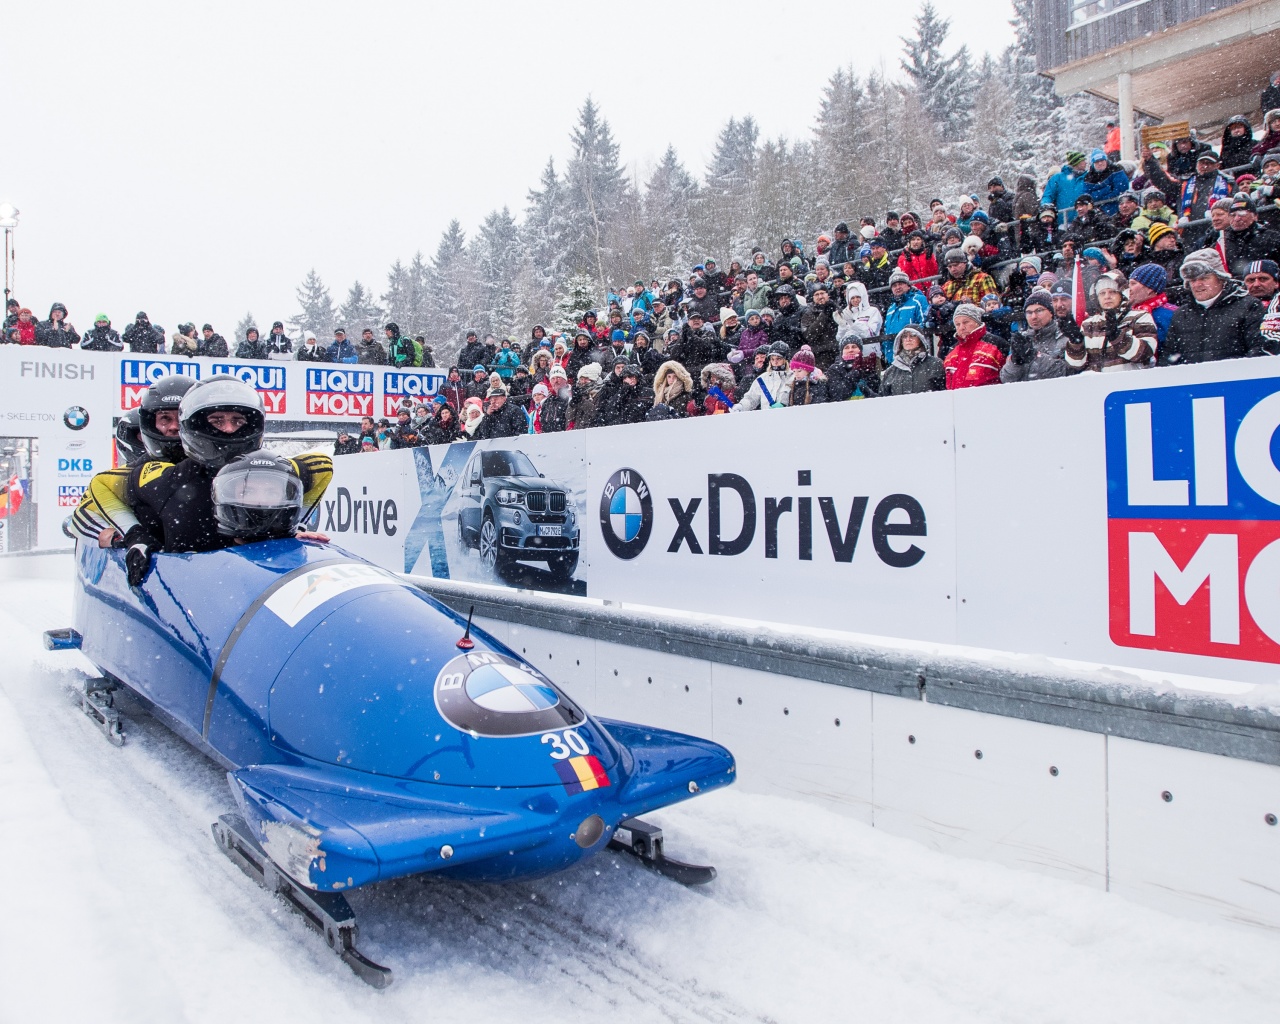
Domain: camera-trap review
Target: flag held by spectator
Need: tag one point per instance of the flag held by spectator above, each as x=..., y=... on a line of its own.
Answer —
x=1077, y=292
x=11, y=497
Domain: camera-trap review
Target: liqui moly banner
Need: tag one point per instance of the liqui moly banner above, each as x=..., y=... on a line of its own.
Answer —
x=136, y=375
x=339, y=393
x=291, y=391
x=414, y=386
x=1193, y=519
x=268, y=380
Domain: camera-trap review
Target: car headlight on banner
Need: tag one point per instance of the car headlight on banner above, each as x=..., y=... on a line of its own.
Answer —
x=506, y=496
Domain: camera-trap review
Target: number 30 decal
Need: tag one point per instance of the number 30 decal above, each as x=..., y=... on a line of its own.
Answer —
x=565, y=744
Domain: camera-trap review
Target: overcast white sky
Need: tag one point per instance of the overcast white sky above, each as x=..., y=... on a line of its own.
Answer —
x=195, y=160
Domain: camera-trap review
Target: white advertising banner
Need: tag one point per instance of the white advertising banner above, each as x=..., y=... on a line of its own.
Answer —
x=64, y=400
x=835, y=516
x=1128, y=519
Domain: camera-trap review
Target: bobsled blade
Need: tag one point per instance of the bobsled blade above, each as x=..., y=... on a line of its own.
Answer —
x=329, y=913
x=647, y=845
x=98, y=704
x=65, y=639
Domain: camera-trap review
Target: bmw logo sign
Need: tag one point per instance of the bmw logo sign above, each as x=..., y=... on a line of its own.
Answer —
x=489, y=694
x=626, y=513
x=77, y=417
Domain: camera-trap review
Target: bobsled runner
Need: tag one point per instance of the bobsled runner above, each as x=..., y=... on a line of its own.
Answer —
x=367, y=731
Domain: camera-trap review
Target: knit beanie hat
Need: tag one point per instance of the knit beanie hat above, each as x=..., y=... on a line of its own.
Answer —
x=1152, y=276
x=899, y=276
x=589, y=370
x=1074, y=156
x=1033, y=260
x=1094, y=253
x=803, y=360
x=1047, y=280
x=1039, y=297
x=1157, y=231
x=968, y=309
x=102, y=318
x=1268, y=267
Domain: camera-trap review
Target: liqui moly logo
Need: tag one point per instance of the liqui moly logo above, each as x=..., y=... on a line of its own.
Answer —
x=342, y=393
x=418, y=388
x=1193, y=513
x=268, y=381
x=136, y=375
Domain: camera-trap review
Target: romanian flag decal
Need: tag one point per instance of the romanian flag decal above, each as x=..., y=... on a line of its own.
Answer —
x=582, y=773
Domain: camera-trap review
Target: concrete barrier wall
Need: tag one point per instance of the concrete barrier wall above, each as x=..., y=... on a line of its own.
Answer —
x=1168, y=797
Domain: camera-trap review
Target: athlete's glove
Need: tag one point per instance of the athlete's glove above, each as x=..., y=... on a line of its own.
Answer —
x=138, y=546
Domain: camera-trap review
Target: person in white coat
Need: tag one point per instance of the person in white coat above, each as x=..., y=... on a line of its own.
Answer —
x=859, y=320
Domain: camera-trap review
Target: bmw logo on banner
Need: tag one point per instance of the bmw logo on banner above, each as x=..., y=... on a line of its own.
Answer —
x=626, y=513
x=77, y=417
x=489, y=694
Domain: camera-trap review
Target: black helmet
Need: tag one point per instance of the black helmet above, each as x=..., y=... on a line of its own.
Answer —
x=205, y=443
x=165, y=395
x=257, y=496
x=129, y=446
x=780, y=348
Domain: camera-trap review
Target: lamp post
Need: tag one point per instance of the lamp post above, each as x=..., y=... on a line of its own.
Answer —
x=8, y=221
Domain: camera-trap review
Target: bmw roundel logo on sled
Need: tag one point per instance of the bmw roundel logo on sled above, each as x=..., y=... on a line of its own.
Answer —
x=626, y=513
x=76, y=417
x=489, y=694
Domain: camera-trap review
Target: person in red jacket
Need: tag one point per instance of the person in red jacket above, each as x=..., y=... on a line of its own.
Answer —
x=916, y=261
x=973, y=361
x=26, y=327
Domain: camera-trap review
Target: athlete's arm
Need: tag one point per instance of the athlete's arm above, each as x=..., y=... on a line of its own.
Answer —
x=104, y=513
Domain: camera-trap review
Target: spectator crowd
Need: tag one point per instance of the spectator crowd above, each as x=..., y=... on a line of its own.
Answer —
x=1110, y=266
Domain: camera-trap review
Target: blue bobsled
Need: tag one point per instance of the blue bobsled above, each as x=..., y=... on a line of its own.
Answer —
x=365, y=739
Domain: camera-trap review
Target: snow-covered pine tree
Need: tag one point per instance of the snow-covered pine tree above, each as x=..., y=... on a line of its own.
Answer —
x=416, y=315
x=945, y=84
x=596, y=187
x=242, y=329
x=1036, y=120
x=494, y=254
x=450, y=292
x=725, y=215
x=358, y=311
x=578, y=294
x=544, y=230
x=396, y=299
x=839, y=138
x=663, y=245
x=316, y=312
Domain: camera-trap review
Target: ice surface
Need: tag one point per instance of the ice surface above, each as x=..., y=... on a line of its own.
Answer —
x=120, y=907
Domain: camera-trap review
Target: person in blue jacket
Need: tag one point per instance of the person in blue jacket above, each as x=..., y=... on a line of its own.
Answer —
x=342, y=351
x=1106, y=183
x=908, y=308
x=1064, y=188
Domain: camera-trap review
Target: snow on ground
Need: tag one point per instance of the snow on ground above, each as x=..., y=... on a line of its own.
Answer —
x=120, y=907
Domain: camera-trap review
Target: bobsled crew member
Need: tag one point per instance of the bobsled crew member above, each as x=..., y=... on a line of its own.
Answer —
x=259, y=496
x=129, y=447
x=168, y=501
x=151, y=430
